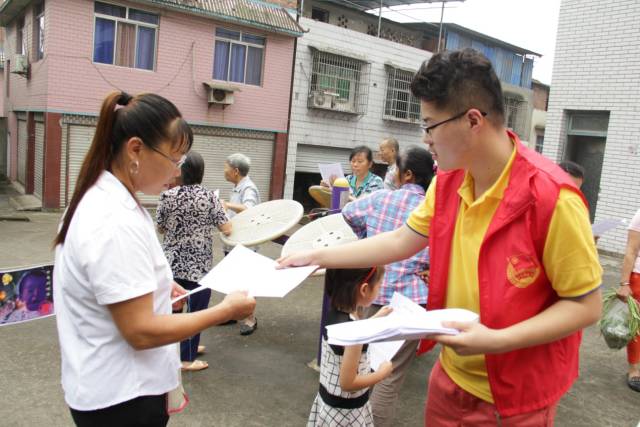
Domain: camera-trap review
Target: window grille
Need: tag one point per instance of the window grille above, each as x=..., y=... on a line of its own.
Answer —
x=400, y=104
x=338, y=83
x=515, y=110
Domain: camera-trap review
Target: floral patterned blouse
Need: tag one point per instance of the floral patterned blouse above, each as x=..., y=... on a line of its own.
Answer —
x=188, y=216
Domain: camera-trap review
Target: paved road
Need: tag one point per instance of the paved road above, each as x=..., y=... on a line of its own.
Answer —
x=261, y=380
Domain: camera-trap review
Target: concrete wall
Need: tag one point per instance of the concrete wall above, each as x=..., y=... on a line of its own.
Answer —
x=365, y=23
x=596, y=68
x=332, y=129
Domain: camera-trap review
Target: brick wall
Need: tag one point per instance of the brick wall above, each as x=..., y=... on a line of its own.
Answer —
x=597, y=68
x=339, y=130
x=540, y=96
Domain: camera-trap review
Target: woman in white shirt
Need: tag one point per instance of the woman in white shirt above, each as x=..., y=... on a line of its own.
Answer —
x=113, y=285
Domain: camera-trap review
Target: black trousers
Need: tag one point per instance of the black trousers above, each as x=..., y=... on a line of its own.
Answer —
x=143, y=411
x=196, y=302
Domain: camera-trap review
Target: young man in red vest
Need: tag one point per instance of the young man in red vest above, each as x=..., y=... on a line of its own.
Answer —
x=509, y=238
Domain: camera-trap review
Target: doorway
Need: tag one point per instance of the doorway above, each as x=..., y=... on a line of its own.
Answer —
x=588, y=151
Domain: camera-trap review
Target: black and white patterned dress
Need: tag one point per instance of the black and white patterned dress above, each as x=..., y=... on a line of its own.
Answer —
x=324, y=414
x=188, y=215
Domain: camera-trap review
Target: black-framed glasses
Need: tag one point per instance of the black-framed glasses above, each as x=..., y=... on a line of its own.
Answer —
x=176, y=163
x=428, y=129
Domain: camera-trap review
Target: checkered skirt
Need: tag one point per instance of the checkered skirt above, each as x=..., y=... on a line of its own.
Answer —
x=324, y=415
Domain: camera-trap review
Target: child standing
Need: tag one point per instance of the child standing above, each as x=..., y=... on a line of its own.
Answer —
x=345, y=374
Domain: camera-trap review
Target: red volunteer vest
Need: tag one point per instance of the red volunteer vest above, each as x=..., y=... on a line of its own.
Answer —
x=513, y=285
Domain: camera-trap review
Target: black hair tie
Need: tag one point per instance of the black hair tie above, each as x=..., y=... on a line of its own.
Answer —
x=124, y=99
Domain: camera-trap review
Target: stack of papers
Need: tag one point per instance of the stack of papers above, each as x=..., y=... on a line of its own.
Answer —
x=245, y=270
x=407, y=323
x=331, y=170
x=600, y=227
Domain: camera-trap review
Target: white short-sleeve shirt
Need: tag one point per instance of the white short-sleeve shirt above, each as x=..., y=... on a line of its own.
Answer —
x=635, y=226
x=111, y=254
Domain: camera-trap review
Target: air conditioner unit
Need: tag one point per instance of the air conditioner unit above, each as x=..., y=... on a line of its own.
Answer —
x=321, y=100
x=220, y=93
x=220, y=96
x=19, y=64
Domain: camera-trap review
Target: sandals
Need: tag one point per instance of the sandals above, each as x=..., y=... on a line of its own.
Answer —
x=634, y=383
x=196, y=365
x=248, y=329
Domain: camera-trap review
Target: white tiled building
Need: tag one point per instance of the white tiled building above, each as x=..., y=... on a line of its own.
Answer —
x=339, y=97
x=594, y=105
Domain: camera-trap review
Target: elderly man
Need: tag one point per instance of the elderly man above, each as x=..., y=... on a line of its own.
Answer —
x=243, y=196
x=389, y=149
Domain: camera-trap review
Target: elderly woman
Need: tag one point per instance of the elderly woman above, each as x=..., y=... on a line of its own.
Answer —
x=243, y=196
x=630, y=287
x=186, y=216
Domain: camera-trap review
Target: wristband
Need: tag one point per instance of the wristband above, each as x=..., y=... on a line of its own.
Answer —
x=624, y=283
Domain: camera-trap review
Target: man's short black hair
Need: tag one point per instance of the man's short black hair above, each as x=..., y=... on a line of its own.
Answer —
x=459, y=80
x=572, y=168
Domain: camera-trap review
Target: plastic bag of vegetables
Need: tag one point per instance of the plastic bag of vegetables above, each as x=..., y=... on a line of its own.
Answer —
x=620, y=321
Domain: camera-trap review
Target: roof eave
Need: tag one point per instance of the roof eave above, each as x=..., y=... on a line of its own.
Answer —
x=10, y=10
x=226, y=18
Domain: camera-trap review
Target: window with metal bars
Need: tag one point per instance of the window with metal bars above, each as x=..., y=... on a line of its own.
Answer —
x=338, y=83
x=400, y=104
x=515, y=109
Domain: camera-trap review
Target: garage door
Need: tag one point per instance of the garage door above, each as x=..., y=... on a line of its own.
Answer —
x=309, y=156
x=39, y=160
x=80, y=138
x=22, y=152
x=215, y=150
x=79, y=141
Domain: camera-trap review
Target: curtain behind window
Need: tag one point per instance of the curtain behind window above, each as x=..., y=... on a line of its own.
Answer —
x=146, y=47
x=236, y=73
x=125, y=52
x=103, y=43
x=221, y=61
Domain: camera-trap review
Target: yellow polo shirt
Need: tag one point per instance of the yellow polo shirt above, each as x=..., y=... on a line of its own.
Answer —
x=570, y=260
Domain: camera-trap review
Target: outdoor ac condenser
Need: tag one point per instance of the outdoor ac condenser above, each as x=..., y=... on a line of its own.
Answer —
x=220, y=96
x=19, y=64
x=322, y=100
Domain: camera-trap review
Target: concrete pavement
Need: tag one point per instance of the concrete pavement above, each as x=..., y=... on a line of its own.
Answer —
x=260, y=380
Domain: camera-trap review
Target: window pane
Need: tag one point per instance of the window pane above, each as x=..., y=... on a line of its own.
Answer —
x=126, y=49
x=221, y=61
x=103, y=43
x=40, y=38
x=227, y=34
x=254, y=66
x=146, y=48
x=139, y=15
x=250, y=38
x=343, y=88
x=236, y=74
x=110, y=9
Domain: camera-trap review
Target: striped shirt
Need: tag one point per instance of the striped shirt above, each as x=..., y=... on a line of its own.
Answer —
x=387, y=210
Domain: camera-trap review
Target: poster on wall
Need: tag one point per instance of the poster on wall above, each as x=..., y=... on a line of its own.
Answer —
x=26, y=294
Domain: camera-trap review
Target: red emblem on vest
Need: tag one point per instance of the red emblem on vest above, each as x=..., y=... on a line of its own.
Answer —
x=522, y=270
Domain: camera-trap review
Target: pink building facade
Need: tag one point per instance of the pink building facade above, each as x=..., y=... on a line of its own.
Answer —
x=229, y=74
